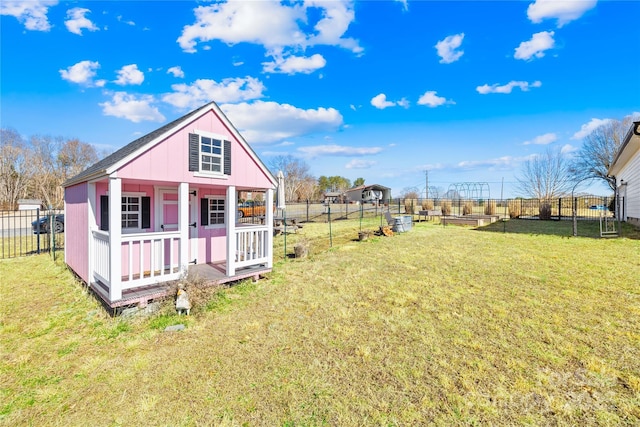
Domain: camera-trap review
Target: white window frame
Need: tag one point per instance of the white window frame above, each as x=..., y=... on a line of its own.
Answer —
x=224, y=201
x=138, y=229
x=209, y=174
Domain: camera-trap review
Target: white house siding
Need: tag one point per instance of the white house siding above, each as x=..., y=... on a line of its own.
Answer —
x=630, y=174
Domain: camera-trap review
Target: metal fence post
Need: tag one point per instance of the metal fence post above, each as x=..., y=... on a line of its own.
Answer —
x=559, y=208
x=38, y=230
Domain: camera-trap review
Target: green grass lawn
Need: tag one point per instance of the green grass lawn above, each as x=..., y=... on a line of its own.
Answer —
x=439, y=325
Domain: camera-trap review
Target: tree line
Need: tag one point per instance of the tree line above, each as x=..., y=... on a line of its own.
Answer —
x=555, y=174
x=36, y=167
x=301, y=185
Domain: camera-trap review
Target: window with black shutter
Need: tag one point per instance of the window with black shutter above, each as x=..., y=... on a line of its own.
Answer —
x=209, y=154
x=135, y=212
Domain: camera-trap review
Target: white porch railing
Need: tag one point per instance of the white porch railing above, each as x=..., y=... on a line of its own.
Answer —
x=252, y=246
x=147, y=258
x=100, y=254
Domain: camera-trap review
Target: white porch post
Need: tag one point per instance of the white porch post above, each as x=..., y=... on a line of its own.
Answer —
x=230, y=221
x=115, y=239
x=183, y=224
x=91, y=225
x=268, y=217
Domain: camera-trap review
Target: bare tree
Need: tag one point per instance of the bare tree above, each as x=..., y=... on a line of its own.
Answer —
x=73, y=157
x=410, y=193
x=15, y=168
x=296, y=174
x=56, y=160
x=308, y=189
x=545, y=176
x=599, y=150
x=45, y=183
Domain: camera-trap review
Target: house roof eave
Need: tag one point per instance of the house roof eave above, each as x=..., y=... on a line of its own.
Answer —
x=631, y=141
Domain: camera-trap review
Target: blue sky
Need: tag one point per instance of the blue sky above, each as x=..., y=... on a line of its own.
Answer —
x=383, y=90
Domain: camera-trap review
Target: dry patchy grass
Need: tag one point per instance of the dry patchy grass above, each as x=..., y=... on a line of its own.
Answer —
x=440, y=325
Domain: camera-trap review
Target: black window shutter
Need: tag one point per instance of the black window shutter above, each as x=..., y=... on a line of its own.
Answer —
x=194, y=158
x=227, y=157
x=104, y=213
x=204, y=211
x=146, y=212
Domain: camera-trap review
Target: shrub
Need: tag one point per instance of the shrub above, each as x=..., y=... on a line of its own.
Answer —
x=545, y=210
x=410, y=205
x=445, y=206
x=514, y=209
x=427, y=204
x=197, y=289
x=490, y=208
x=467, y=208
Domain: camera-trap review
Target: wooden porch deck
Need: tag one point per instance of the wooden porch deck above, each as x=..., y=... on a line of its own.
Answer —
x=213, y=274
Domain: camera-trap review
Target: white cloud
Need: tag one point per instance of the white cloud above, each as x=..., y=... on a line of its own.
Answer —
x=82, y=73
x=294, y=64
x=447, y=48
x=360, y=164
x=76, y=21
x=536, y=46
x=121, y=19
x=205, y=90
x=500, y=163
x=33, y=14
x=431, y=99
x=587, y=128
x=176, y=71
x=545, y=139
x=568, y=149
x=496, y=88
x=129, y=75
x=405, y=4
x=267, y=122
x=338, y=150
x=403, y=103
x=380, y=101
x=127, y=106
x=564, y=11
x=272, y=24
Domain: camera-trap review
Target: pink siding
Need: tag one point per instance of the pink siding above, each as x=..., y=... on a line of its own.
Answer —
x=168, y=160
x=212, y=242
x=103, y=187
x=77, y=229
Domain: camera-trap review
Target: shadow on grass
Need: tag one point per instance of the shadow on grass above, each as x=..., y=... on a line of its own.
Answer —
x=562, y=228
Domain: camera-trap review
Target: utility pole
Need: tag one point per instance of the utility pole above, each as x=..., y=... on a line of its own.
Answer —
x=427, y=186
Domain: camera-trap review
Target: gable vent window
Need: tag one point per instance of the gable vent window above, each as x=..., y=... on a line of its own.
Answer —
x=209, y=154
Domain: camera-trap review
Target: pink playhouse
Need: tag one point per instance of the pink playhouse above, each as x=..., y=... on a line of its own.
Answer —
x=166, y=205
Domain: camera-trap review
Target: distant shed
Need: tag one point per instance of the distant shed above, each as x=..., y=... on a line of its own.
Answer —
x=29, y=204
x=368, y=193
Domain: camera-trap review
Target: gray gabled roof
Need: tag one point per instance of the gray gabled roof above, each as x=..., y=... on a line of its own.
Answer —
x=101, y=167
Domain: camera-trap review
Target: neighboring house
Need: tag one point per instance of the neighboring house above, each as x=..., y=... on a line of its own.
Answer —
x=626, y=170
x=166, y=204
x=333, y=197
x=368, y=194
